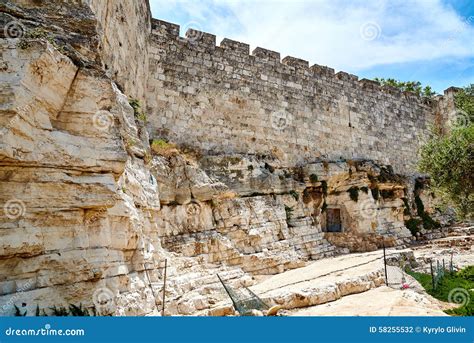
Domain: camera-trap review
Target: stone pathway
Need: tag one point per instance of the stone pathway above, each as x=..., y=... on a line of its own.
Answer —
x=321, y=281
x=381, y=301
x=354, y=284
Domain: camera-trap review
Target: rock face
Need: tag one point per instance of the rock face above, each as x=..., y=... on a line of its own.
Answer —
x=67, y=226
x=91, y=212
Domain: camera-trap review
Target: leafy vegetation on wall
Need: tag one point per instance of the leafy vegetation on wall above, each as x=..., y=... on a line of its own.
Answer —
x=407, y=86
x=449, y=158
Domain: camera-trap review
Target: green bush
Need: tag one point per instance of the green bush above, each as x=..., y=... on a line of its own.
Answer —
x=420, y=208
x=354, y=193
x=59, y=311
x=428, y=222
x=413, y=225
x=294, y=194
x=406, y=210
x=137, y=110
x=407, y=86
x=449, y=158
x=419, y=185
x=289, y=212
x=313, y=178
x=467, y=273
x=324, y=186
x=375, y=193
x=387, y=193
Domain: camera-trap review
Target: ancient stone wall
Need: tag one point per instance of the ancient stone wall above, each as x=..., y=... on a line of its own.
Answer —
x=224, y=99
x=124, y=27
x=88, y=208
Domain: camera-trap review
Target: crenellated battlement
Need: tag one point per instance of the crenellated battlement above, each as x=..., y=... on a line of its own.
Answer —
x=225, y=98
x=203, y=40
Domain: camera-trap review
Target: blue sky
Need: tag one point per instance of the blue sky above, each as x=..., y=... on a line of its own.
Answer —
x=431, y=41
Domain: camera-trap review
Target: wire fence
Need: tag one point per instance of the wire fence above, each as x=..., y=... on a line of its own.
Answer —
x=398, y=268
x=244, y=300
x=163, y=294
x=439, y=271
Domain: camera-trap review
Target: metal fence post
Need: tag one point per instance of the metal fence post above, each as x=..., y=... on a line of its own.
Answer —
x=164, y=289
x=385, y=264
x=432, y=275
x=451, y=269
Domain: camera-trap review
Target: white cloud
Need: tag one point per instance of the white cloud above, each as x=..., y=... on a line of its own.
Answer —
x=329, y=32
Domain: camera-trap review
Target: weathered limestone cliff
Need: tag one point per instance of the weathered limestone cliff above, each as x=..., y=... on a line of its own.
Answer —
x=91, y=210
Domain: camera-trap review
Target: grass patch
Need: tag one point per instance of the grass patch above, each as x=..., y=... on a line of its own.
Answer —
x=453, y=287
x=294, y=194
x=163, y=148
x=137, y=110
x=289, y=212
